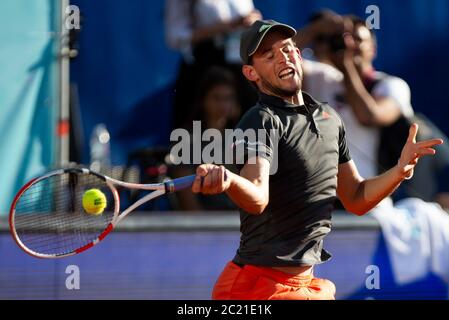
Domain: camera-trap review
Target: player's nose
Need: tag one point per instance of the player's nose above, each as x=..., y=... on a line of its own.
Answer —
x=283, y=57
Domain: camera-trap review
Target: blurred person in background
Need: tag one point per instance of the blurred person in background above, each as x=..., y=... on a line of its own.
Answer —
x=207, y=33
x=376, y=110
x=317, y=35
x=375, y=106
x=216, y=107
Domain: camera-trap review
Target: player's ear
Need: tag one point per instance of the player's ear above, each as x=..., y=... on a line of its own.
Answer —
x=299, y=54
x=250, y=73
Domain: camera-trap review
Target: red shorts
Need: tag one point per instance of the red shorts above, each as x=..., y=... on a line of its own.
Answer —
x=263, y=283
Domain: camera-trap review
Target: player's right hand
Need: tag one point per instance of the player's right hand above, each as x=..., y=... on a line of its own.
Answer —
x=211, y=179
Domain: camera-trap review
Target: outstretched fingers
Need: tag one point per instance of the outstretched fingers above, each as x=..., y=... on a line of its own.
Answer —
x=429, y=143
x=426, y=151
x=412, y=133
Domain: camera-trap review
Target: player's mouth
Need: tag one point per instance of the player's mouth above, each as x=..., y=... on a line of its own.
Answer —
x=286, y=73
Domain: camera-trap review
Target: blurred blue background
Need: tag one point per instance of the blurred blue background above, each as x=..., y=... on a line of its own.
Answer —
x=125, y=70
x=125, y=73
x=125, y=77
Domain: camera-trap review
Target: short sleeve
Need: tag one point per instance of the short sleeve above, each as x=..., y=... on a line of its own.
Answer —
x=398, y=90
x=257, y=134
x=343, y=150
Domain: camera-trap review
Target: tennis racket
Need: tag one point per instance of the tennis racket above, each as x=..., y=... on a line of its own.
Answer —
x=47, y=218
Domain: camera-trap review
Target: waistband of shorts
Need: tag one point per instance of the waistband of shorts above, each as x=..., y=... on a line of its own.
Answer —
x=278, y=276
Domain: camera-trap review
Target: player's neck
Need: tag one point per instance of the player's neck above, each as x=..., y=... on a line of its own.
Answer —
x=296, y=99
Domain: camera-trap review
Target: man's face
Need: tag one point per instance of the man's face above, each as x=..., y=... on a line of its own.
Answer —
x=221, y=102
x=365, y=47
x=276, y=66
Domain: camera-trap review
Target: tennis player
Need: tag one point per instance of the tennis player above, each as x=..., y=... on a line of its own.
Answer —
x=286, y=214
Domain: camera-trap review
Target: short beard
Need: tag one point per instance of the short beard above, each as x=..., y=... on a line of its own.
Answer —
x=282, y=92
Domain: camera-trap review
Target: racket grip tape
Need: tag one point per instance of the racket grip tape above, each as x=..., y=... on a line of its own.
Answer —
x=179, y=183
x=183, y=183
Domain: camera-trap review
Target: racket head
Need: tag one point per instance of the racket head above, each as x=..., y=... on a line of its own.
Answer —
x=47, y=218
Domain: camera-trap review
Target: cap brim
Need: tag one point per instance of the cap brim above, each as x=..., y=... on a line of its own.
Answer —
x=283, y=27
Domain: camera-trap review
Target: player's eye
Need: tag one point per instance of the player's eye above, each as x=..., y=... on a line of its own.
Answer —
x=270, y=55
x=287, y=49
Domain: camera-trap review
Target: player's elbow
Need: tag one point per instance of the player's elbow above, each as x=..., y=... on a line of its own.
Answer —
x=354, y=208
x=257, y=209
x=358, y=211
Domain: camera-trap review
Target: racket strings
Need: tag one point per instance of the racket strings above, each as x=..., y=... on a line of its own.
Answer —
x=49, y=216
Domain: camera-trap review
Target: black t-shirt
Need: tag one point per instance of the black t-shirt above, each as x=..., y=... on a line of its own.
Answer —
x=305, y=146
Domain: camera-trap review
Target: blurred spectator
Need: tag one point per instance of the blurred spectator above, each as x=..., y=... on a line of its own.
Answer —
x=216, y=102
x=207, y=33
x=216, y=107
x=374, y=106
x=319, y=33
x=376, y=110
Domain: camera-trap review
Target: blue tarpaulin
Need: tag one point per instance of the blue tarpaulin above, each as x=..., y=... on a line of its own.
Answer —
x=28, y=92
x=125, y=71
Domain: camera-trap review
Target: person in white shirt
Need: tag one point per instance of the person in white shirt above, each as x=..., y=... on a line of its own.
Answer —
x=188, y=22
x=416, y=231
x=366, y=99
x=364, y=110
x=207, y=33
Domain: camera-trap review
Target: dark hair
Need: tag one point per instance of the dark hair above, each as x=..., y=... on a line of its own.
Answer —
x=334, y=41
x=356, y=21
x=213, y=77
x=320, y=14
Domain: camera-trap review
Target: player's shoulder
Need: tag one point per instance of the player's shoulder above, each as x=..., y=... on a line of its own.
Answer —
x=332, y=112
x=327, y=108
x=259, y=115
x=259, y=110
x=324, y=105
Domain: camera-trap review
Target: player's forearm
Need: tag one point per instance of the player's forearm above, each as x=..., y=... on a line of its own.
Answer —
x=371, y=192
x=247, y=195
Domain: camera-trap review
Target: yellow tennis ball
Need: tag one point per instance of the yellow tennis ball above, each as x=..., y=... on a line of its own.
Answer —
x=94, y=201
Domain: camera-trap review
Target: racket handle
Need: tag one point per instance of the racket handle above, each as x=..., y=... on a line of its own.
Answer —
x=179, y=183
x=183, y=183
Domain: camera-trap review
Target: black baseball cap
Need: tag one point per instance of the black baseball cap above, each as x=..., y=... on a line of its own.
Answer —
x=253, y=36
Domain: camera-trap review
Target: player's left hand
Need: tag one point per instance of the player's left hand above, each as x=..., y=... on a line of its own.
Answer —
x=413, y=150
